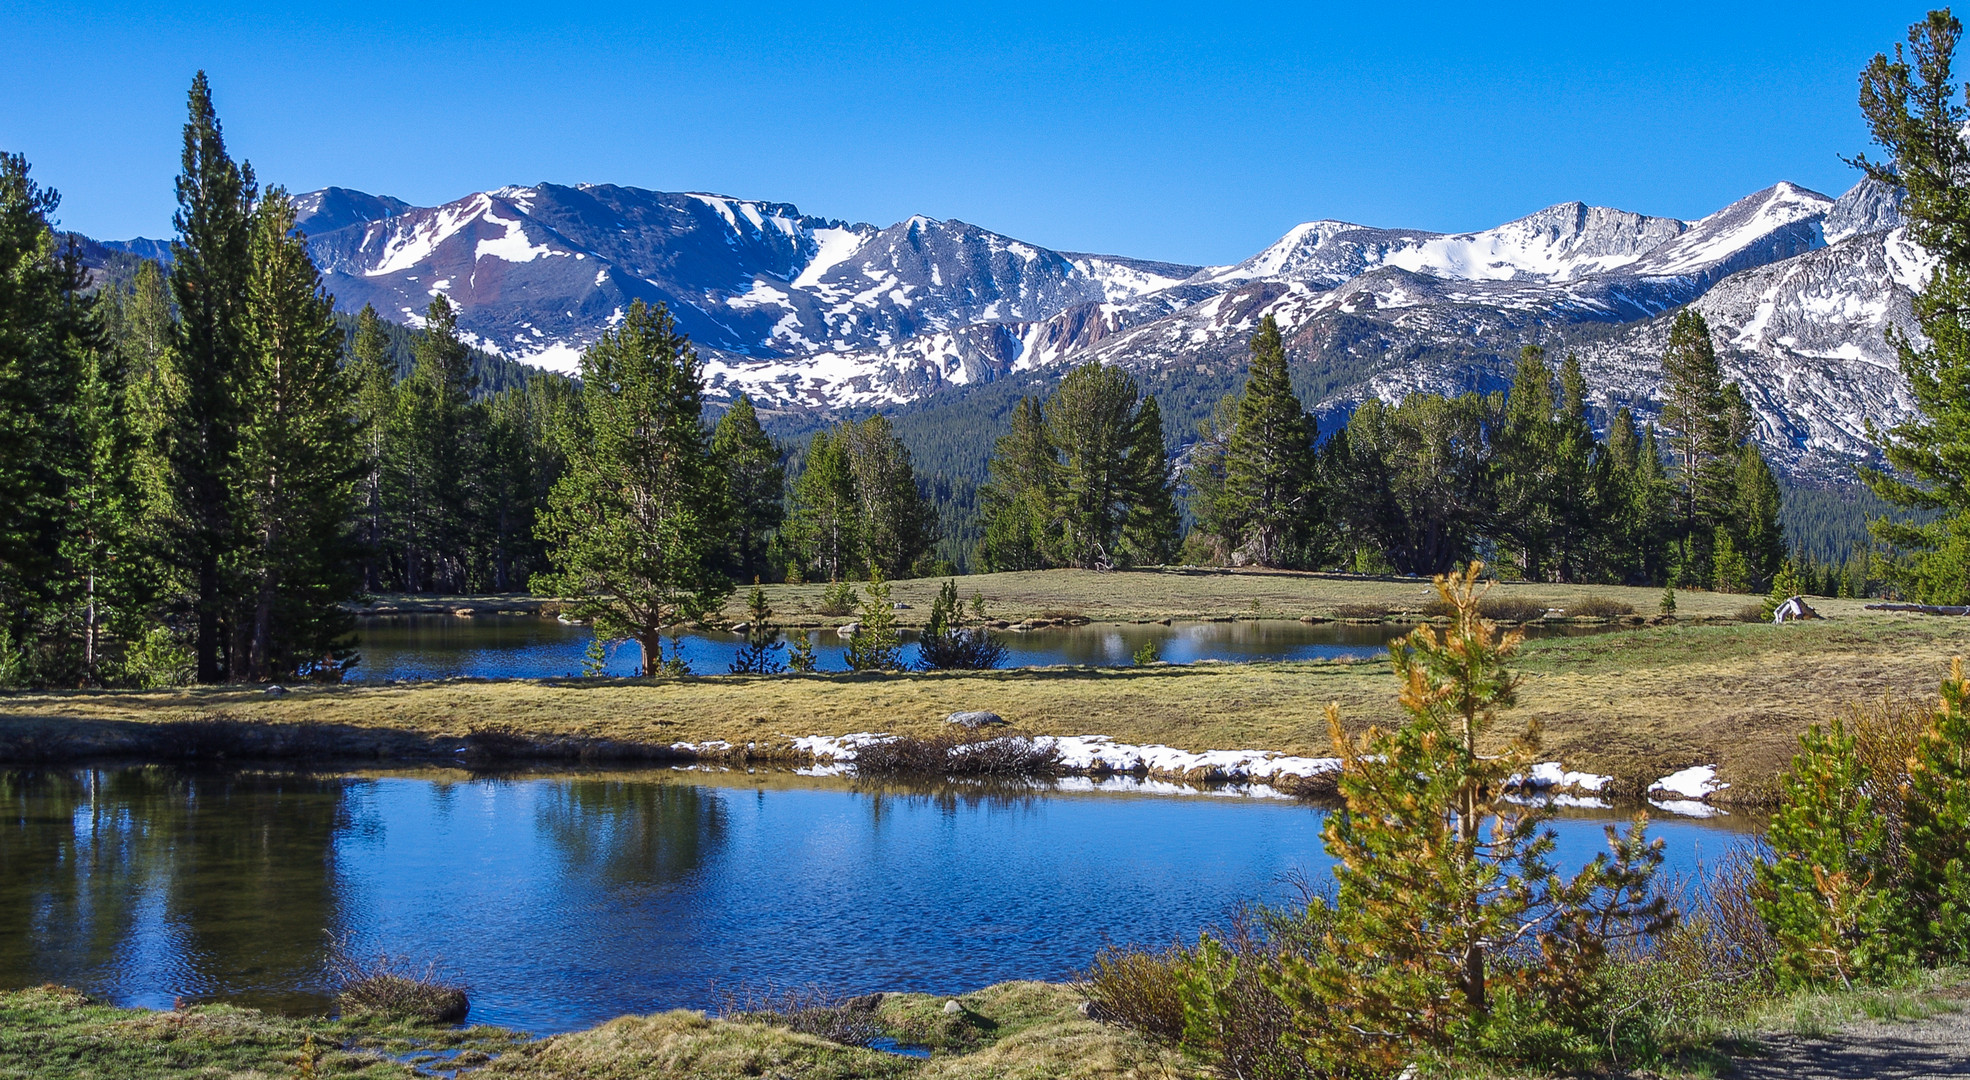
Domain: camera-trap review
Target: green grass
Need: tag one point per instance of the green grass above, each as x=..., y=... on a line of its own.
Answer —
x=1633, y=704
x=48, y=1033
x=1019, y=1030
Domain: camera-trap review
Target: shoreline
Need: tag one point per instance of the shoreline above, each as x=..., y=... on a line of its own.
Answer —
x=1636, y=707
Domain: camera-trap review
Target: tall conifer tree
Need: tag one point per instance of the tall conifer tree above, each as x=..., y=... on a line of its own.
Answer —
x=209, y=267
x=299, y=461
x=1910, y=103
x=635, y=527
x=1269, y=465
x=757, y=481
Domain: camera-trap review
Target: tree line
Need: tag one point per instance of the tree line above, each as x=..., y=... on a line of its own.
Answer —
x=1416, y=487
x=201, y=467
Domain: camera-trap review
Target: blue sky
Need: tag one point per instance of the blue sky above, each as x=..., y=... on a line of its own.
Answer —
x=1195, y=132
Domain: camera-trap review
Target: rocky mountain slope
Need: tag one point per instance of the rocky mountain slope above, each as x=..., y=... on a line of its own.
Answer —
x=809, y=313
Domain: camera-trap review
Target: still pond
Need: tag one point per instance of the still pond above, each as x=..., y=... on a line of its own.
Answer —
x=511, y=646
x=562, y=900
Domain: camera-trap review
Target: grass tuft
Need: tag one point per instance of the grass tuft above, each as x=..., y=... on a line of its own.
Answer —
x=393, y=988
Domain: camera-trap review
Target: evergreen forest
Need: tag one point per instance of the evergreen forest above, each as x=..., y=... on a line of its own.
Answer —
x=204, y=463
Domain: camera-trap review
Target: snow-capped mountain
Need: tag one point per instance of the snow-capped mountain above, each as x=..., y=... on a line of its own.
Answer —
x=540, y=272
x=1454, y=305
x=805, y=312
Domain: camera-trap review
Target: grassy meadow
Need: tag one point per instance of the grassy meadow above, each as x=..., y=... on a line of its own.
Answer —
x=1635, y=704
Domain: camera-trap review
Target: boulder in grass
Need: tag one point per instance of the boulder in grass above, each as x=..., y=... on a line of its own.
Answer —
x=975, y=719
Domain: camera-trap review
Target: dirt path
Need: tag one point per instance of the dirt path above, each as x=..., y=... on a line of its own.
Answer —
x=1936, y=1047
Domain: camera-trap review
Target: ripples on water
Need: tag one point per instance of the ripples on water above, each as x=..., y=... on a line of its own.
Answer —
x=565, y=900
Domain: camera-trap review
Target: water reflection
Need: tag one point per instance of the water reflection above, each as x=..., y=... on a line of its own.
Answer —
x=435, y=646
x=564, y=900
x=154, y=884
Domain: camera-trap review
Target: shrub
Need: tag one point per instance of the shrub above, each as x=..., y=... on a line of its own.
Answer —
x=1512, y=609
x=1836, y=895
x=838, y=598
x=393, y=988
x=1600, y=607
x=809, y=1010
x=1753, y=613
x=958, y=754
x=1214, y=999
x=947, y=645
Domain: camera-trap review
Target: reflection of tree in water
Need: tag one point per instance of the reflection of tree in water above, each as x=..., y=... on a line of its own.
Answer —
x=158, y=882
x=949, y=795
x=631, y=832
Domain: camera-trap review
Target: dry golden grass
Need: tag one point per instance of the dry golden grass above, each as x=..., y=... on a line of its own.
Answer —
x=1634, y=704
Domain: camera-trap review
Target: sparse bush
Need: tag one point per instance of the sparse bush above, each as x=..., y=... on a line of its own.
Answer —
x=1216, y=998
x=1511, y=609
x=394, y=988
x=1753, y=613
x=958, y=754
x=809, y=1010
x=838, y=598
x=1600, y=607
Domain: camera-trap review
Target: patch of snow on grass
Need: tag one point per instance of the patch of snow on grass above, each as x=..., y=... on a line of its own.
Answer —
x=1551, y=774
x=1695, y=782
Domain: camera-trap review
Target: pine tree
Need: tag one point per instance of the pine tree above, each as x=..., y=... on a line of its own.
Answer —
x=372, y=374
x=210, y=262
x=49, y=345
x=1016, y=504
x=760, y=654
x=1695, y=408
x=1755, y=517
x=894, y=522
x=1828, y=894
x=875, y=645
x=635, y=525
x=1938, y=832
x=1910, y=105
x=757, y=481
x=1442, y=874
x=1579, y=513
x=299, y=464
x=1151, y=526
x=434, y=437
x=825, y=512
x=1107, y=462
x=1525, y=464
x=1268, y=492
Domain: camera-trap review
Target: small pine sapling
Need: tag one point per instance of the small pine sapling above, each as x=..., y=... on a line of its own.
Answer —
x=1938, y=832
x=760, y=654
x=801, y=658
x=947, y=644
x=1668, y=606
x=875, y=645
x=1146, y=654
x=1448, y=906
x=1828, y=894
